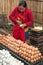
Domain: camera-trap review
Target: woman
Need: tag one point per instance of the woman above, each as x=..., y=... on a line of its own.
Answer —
x=22, y=18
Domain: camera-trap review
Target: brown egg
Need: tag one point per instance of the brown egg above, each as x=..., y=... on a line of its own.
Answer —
x=9, y=44
x=32, y=60
x=4, y=42
x=39, y=57
x=24, y=49
x=19, y=51
x=36, y=58
x=11, y=48
x=39, y=54
x=19, y=41
x=29, y=59
x=11, y=39
x=25, y=45
x=36, y=49
x=26, y=54
x=21, y=48
x=33, y=49
x=16, y=44
x=26, y=58
x=9, y=35
x=29, y=55
x=30, y=52
x=1, y=37
x=35, y=52
x=21, y=54
x=32, y=57
x=7, y=40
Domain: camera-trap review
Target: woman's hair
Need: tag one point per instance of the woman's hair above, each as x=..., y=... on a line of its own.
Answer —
x=23, y=3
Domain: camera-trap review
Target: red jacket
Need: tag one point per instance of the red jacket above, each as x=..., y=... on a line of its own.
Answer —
x=26, y=16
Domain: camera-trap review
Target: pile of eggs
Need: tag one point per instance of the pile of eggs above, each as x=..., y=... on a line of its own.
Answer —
x=26, y=51
x=7, y=59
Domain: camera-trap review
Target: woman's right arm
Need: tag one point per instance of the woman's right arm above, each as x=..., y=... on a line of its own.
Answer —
x=12, y=16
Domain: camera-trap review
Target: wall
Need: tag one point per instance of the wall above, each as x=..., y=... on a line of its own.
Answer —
x=36, y=6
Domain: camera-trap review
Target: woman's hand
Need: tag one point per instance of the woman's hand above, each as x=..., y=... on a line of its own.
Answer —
x=23, y=25
x=19, y=21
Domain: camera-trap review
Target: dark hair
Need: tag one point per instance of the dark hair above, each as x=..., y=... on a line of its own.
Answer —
x=23, y=3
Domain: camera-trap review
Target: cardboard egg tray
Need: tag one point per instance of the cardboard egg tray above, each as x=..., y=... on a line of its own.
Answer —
x=36, y=37
x=36, y=33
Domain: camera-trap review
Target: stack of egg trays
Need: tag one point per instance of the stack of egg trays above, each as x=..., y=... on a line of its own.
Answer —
x=40, y=47
x=36, y=33
x=35, y=37
x=16, y=55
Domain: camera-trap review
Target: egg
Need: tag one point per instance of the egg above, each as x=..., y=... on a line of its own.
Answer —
x=17, y=48
x=30, y=51
x=32, y=57
x=32, y=60
x=39, y=54
x=4, y=42
x=29, y=55
x=8, y=59
x=29, y=59
x=35, y=52
x=36, y=49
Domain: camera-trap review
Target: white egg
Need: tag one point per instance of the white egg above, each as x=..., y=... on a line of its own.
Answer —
x=4, y=63
x=0, y=63
x=7, y=59
x=22, y=63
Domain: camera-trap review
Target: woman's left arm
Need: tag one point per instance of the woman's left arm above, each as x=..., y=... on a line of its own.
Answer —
x=30, y=19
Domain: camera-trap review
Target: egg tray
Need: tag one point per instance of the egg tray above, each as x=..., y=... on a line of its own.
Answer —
x=40, y=38
x=35, y=42
x=36, y=30
x=15, y=55
x=40, y=47
x=36, y=36
x=35, y=33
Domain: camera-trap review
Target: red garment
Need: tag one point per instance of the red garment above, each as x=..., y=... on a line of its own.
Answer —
x=26, y=17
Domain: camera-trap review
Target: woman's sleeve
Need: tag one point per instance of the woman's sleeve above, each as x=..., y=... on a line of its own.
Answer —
x=30, y=19
x=12, y=16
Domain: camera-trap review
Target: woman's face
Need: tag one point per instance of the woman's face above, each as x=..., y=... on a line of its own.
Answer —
x=21, y=8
